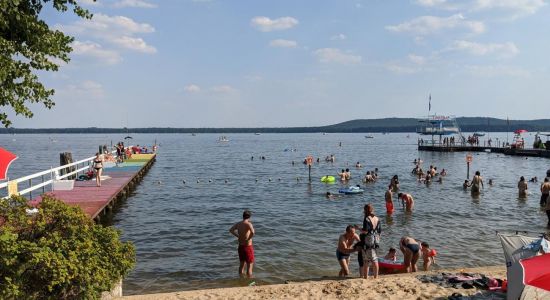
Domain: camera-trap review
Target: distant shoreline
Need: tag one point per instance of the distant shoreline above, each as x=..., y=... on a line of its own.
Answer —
x=386, y=125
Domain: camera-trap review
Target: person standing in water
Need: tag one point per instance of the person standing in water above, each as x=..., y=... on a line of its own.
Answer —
x=394, y=183
x=477, y=183
x=389, y=201
x=244, y=231
x=370, y=240
x=345, y=248
x=408, y=200
x=411, y=252
x=522, y=187
x=545, y=190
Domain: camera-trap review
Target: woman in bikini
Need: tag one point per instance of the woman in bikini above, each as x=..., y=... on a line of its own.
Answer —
x=98, y=167
x=411, y=252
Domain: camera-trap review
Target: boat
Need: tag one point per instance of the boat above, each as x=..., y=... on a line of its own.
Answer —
x=223, y=138
x=193, y=134
x=257, y=133
x=369, y=136
x=478, y=134
x=438, y=125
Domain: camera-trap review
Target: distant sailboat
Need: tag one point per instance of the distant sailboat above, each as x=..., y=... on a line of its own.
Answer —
x=127, y=137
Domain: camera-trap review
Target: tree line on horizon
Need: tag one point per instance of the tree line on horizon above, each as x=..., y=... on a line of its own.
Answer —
x=467, y=124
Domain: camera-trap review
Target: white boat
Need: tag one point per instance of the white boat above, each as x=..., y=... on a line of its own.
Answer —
x=223, y=138
x=369, y=136
x=478, y=134
x=438, y=125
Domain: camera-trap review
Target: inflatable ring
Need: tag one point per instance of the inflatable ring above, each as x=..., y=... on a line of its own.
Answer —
x=328, y=179
x=390, y=264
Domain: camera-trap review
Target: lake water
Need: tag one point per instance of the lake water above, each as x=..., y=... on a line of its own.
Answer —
x=181, y=230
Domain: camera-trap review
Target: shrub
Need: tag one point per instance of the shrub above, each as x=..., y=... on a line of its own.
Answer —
x=58, y=253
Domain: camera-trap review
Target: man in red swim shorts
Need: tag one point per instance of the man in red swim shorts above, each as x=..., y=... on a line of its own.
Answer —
x=244, y=231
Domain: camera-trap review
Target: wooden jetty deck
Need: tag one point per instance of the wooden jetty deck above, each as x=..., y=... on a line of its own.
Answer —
x=119, y=180
x=502, y=150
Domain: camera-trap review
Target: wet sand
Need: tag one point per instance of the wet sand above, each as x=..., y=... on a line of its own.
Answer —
x=398, y=287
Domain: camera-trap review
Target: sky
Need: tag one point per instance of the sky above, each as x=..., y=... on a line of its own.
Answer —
x=284, y=63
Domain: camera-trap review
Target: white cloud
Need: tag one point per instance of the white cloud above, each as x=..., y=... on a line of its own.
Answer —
x=334, y=55
x=441, y=4
x=426, y=25
x=283, y=43
x=266, y=24
x=137, y=44
x=96, y=51
x=134, y=3
x=508, y=49
x=399, y=69
x=115, y=31
x=519, y=7
x=338, y=37
x=417, y=59
x=87, y=89
x=497, y=71
x=192, y=88
x=90, y=3
x=223, y=89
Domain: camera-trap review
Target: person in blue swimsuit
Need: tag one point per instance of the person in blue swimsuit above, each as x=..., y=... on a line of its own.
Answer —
x=411, y=252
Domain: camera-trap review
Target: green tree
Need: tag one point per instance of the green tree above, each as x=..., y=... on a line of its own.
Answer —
x=58, y=253
x=28, y=45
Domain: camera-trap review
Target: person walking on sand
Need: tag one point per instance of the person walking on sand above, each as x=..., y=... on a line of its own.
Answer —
x=411, y=252
x=522, y=187
x=98, y=167
x=545, y=190
x=344, y=249
x=477, y=183
x=369, y=242
x=244, y=231
x=389, y=200
x=408, y=200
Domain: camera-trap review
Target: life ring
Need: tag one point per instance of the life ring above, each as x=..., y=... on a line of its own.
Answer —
x=328, y=179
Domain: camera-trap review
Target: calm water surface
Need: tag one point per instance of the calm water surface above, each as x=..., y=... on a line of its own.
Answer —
x=181, y=230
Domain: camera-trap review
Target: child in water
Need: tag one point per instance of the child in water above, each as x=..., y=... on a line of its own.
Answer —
x=391, y=255
x=466, y=184
x=428, y=255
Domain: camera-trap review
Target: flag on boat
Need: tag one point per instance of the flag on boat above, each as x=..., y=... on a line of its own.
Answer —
x=6, y=158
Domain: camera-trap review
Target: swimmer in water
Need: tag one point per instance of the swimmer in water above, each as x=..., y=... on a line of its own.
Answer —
x=408, y=200
x=358, y=165
x=477, y=183
x=331, y=196
x=522, y=187
x=466, y=184
x=389, y=200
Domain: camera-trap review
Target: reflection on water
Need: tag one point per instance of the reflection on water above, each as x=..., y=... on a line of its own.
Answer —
x=181, y=229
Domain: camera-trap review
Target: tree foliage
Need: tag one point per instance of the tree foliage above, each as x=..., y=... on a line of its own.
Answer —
x=58, y=253
x=28, y=45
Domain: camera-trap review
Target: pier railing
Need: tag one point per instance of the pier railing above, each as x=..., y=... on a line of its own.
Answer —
x=43, y=179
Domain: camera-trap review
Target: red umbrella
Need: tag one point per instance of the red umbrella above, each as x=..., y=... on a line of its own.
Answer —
x=520, y=131
x=6, y=158
x=536, y=271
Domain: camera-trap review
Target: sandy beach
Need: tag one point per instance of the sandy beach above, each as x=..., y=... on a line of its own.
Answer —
x=398, y=287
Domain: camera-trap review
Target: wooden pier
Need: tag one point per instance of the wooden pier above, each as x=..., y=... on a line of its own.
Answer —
x=116, y=184
x=501, y=150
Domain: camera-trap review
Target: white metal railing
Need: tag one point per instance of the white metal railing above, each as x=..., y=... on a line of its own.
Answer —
x=52, y=173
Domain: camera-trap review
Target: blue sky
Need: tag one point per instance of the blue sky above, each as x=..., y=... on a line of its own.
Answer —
x=200, y=63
